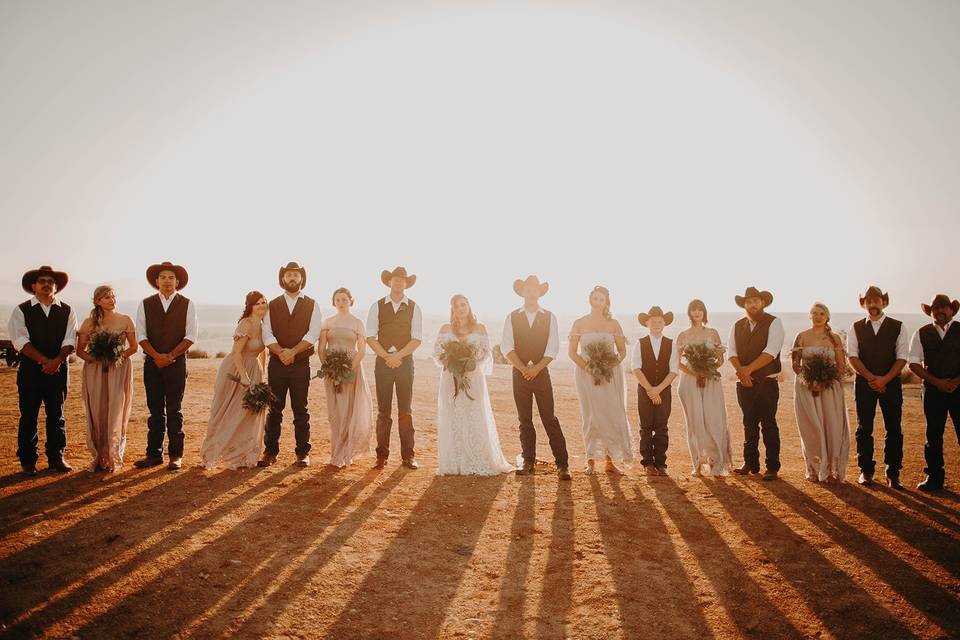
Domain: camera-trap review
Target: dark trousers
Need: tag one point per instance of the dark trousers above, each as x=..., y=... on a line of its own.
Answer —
x=654, y=438
x=295, y=380
x=541, y=388
x=387, y=380
x=164, y=389
x=759, y=406
x=36, y=388
x=937, y=405
x=891, y=406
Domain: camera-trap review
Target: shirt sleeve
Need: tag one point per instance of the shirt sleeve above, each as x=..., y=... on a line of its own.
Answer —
x=70, y=338
x=732, y=342
x=373, y=320
x=916, y=350
x=192, y=331
x=903, y=344
x=506, y=341
x=416, y=330
x=775, y=338
x=267, y=331
x=553, y=341
x=636, y=360
x=17, y=329
x=853, y=345
x=316, y=321
x=141, y=323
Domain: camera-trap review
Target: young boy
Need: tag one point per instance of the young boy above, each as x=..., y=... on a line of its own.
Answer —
x=655, y=364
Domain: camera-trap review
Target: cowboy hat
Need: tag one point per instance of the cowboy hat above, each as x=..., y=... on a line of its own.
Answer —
x=874, y=291
x=153, y=272
x=940, y=300
x=30, y=277
x=399, y=272
x=752, y=292
x=293, y=266
x=655, y=311
x=518, y=285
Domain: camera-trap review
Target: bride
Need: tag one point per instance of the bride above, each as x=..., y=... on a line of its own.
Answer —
x=467, y=440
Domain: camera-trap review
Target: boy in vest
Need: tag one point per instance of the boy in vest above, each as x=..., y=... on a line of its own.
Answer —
x=935, y=358
x=394, y=331
x=167, y=327
x=655, y=365
x=754, y=349
x=44, y=331
x=290, y=329
x=531, y=342
x=878, y=349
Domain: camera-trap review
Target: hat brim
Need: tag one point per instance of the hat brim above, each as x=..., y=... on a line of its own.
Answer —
x=928, y=309
x=518, y=287
x=643, y=318
x=153, y=272
x=303, y=276
x=766, y=296
x=61, y=278
x=385, y=277
x=885, y=297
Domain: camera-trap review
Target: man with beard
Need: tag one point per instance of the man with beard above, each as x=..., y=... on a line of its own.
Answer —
x=754, y=350
x=878, y=349
x=935, y=358
x=290, y=329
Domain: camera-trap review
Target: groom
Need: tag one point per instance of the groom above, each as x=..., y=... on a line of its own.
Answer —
x=530, y=342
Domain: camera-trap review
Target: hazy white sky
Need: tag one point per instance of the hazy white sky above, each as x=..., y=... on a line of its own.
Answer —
x=665, y=150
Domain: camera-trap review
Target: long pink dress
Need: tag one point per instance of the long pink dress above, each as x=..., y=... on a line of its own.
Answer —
x=107, y=396
x=351, y=411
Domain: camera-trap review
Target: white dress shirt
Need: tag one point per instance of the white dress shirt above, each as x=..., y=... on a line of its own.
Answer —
x=17, y=327
x=853, y=344
x=916, y=347
x=775, y=338
x=656, y=342
x=191, y=329
x=373, y=318
x=507, y=343
x=313, y=331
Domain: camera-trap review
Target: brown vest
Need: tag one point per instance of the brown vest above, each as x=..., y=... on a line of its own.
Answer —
x=877, y=351
x=530, y=342
x=655, y=369
x=750, y=344
x=165, y=329
x=288, y=328
x=395, y=329
x=941, y=356
x=46, y=332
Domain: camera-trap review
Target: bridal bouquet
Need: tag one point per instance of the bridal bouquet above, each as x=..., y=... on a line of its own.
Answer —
x=258, y=397
x=704, y=360
x=601, y=361
x=338, y=368
x=106, y=347
x=818, y=371
x=459, y=358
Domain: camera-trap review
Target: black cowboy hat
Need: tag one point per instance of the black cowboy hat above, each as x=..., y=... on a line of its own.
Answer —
x=752, y=292
x=874, y=291
x=293, y=266
x=655, y=311
x=153, y=271
x=399, y=272
x=518, y=285
x=940, y=300
x=30, y=277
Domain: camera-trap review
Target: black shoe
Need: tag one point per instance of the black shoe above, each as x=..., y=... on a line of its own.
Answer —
x=303, y=461
x=266, y=460
x=866, y=477
x=563, y=473
x=61, y=466
x=528, y=469
x=770, y=475
x=745, y=470
x=381, y=463
x=175, y=464
x=662, y=469
x=145, y=463
x=29, y=470
x=929, y=484
x=411, y=463
x=893, y=479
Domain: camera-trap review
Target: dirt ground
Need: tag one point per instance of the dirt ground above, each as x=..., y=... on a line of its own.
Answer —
x=286, y=552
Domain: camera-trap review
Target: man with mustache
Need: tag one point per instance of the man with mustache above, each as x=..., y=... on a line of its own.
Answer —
x=754, y=351
x=44, y=331
x=935, y=358
x=878, y=349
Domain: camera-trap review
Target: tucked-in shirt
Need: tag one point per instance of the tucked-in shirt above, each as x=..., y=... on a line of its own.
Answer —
x=553, y=339
x=903, y=342
x=775, y=337
x=373, y=318
x=916, y=347
x=313, y=331
x=191, y=329
x=656, y=342
x=17, y=327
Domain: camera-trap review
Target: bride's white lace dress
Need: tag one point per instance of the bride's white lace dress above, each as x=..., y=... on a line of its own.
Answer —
x=467, y=440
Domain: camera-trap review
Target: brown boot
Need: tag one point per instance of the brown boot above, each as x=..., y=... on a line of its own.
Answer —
x=266, y=460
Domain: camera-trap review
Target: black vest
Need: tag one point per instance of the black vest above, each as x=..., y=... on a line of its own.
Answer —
x=46, y=331
x=877, y=351
x=165, y=329
x=750, y=344
x=655, y=369
x=530, y=342
x=941, y=356
x=289, y=329
x=395, y=329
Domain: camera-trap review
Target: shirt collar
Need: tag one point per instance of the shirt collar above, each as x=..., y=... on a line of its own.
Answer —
x=882, y=317
x=165, y=298
x=34, y=301
x=537, y=312
x=403, y=300
x=296, y=297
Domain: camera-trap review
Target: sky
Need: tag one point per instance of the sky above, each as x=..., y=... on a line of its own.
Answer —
x=665, y=150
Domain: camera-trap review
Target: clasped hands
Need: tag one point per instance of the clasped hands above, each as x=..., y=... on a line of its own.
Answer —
x=529, y=372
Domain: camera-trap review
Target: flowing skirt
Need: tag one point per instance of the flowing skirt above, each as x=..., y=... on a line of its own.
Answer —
x=705, y=419
x=351, y=420
x=467, y=439
x=234, y=435
x=603, y=407
x=107, y=394
x=824, y=430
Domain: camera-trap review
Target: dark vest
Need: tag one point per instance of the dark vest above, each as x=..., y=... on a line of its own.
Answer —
x=165, y=329
x=46, y=332
x=750, y=344
x=395, y=329
x=655, y=369
x=289, y=329
x=530, y=343
x=941, y=356
x=877, y=351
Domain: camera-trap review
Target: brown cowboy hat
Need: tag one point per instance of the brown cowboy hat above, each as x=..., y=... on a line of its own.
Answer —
x=940, y=300
x=30, y=277
x=874, y=291
x=518, y=285
x=293, y=266
x=655, y=311
x=153, y=271
x=399, y=272
x=752, y=292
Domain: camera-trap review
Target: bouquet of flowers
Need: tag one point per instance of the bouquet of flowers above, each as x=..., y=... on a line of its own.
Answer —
x=258, y=397
x=106, y=347
x=459, y=358
x=704, y=360
x=338, y=367
x=601, y=361
x=819, y=371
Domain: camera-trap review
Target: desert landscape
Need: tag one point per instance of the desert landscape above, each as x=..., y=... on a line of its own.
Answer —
x=286, y=552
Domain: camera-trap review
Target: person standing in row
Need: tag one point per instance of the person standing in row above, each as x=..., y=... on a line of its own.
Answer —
x=655, y=366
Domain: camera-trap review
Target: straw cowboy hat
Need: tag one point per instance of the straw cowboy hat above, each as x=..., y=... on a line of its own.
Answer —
x=655, y=311
x=30, y=277
x=399, y=272
x=940, y=300
x=518, y=285
x=153, y=272
x=293, y=266
x=752, y=292
x=874, y=291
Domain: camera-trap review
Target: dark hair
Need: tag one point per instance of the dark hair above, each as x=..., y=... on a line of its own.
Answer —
x=606, y=294
x=333, y=298
x=696, y=303
x=248, y=303
x=454, y=322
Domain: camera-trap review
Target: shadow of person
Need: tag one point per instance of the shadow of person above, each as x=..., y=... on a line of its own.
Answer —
x=509, y=621
x=556, y=591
